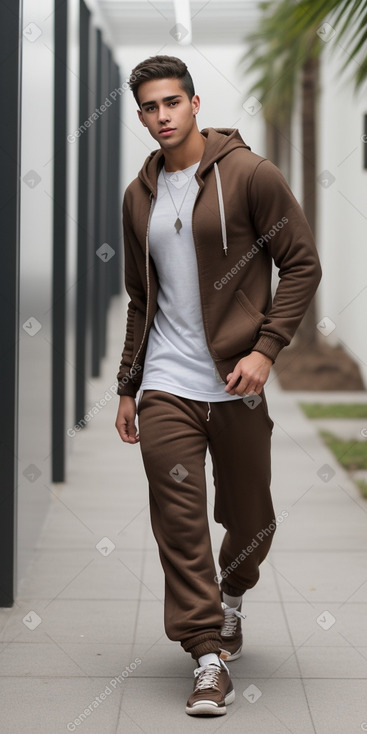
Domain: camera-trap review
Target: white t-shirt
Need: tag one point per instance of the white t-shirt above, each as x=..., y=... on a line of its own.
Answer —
x=177, y=357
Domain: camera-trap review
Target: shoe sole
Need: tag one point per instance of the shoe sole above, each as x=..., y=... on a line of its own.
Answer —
x=208, y=709
x=227, y=656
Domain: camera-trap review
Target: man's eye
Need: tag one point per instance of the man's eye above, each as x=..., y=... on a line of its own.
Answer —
x=174, y=103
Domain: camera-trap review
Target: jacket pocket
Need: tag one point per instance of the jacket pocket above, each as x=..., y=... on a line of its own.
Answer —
x=238, y=327
x=256, y=316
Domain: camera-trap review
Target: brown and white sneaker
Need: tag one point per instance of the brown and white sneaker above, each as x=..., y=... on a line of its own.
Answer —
x=213, y=691
x=231, y=633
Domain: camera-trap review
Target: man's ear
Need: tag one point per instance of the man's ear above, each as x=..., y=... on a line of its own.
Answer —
x=195, y=102
x=140, y=116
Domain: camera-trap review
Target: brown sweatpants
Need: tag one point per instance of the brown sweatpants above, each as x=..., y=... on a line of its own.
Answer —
x=174, y=435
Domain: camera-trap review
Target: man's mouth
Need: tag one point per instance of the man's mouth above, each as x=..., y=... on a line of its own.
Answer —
x=167, y=131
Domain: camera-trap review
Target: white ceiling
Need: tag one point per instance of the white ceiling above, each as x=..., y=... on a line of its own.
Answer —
x=135, y=22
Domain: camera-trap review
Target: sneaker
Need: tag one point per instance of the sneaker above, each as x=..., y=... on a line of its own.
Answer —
x=231, y=633
x=213, y=691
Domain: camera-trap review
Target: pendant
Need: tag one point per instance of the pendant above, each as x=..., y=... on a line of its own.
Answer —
x=178, y=225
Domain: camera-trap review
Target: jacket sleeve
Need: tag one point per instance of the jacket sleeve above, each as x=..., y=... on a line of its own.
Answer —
x=135, y=289
x=282, y=226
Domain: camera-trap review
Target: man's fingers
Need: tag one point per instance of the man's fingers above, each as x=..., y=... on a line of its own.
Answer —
x=131, y=431
x=244, y=386
x=232, y=379
x=128, y=437
x=249, y=375
x=127, y=431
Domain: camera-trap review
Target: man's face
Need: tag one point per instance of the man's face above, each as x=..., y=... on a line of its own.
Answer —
x=167, y=111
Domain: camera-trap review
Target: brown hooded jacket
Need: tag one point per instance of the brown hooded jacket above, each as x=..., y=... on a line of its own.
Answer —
x=245, y=216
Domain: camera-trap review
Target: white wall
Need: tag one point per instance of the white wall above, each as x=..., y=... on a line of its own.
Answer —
x=35, y=288
x=36, y=259
x=342, y=229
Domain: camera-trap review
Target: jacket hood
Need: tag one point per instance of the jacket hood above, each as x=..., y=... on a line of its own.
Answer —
x=219, y=142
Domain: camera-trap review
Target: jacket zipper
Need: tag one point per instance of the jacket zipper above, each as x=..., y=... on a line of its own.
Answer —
x=147, y=279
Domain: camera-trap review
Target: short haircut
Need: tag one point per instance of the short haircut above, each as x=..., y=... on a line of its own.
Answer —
x=161, y=67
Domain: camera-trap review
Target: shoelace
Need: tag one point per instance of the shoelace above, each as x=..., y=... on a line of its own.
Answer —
x=208, y=676
x=230, y=620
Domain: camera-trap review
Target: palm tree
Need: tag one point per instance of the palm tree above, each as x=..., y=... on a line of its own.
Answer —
x=284, y=53
x=288, y=33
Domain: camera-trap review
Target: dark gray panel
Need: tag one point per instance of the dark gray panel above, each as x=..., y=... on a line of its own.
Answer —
x=10, y=17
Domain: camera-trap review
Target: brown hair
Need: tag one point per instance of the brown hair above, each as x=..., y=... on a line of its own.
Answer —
x=161, y=67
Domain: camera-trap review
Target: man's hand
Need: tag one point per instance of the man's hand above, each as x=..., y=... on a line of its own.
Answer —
x=125, y=420
x=253, y=371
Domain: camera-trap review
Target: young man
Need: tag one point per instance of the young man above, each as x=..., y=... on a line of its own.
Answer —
x=202, y=223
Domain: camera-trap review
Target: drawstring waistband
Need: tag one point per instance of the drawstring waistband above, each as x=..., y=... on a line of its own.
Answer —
x=208, y=414
x=221, y=208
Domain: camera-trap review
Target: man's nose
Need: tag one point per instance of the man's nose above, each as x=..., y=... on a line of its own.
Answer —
x=163, y=115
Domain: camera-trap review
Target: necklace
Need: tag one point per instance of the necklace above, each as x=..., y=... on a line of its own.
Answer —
x=178, y=223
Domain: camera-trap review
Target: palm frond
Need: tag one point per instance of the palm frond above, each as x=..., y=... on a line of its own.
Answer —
x=287, y=35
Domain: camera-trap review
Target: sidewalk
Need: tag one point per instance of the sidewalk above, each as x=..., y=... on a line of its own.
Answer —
x=100, y=641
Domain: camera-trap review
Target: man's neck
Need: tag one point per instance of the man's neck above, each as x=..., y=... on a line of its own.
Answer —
x=186, y=154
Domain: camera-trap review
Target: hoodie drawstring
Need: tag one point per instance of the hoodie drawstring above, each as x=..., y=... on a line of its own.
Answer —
x=221, y=208
x=208, y=414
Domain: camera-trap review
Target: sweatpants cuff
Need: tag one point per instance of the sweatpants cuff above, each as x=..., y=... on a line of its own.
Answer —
x=202, y=645
x=231, y=590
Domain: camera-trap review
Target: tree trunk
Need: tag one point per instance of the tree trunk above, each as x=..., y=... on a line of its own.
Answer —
x=307, y=332
x=271, y=142
x=278, y=146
